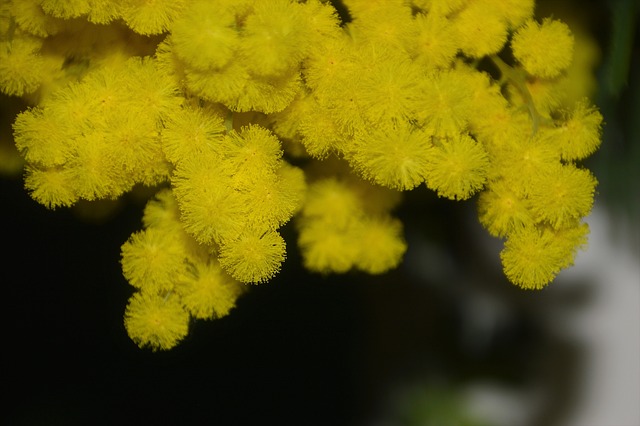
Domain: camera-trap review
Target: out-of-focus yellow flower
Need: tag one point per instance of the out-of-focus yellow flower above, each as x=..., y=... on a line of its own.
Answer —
x=579, y=136
x=544, y=50
x=533, y=256
x=481, y=31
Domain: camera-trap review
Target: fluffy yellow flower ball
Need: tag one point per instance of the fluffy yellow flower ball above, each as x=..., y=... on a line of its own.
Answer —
x=544, y=50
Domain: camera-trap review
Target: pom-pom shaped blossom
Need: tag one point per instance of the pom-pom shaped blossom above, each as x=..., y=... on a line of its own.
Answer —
x=156, y=321
x=544, y=50
x=245, y=115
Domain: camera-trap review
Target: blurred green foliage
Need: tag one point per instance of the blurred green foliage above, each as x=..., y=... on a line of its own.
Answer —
x=617, y=164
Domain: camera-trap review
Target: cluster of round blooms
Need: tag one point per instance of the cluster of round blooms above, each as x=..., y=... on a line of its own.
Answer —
x=176, y=278
x=213, y=101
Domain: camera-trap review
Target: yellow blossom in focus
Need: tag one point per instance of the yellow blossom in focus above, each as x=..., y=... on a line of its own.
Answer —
x=502, y=208
x=156, y=321
x=207, y=291
x=456, y=168
x=243, y=116
x=395, y=155
x=436, y=42
x=152, y=259
x=253, y=257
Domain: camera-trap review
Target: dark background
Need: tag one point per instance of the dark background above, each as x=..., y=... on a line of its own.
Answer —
x=302, y=349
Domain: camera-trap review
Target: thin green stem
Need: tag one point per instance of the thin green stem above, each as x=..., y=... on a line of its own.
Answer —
x=518, y=79
x=228, y=121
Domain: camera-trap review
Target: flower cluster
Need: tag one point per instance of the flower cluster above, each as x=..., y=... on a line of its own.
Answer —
x=248, y=113
x=176, y=278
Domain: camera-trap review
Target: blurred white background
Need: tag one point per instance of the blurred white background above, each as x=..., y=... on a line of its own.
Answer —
x=610, y=326
x=607, y=328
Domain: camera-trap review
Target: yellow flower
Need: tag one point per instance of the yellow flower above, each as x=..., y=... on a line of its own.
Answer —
x=333, y=200
x=152, y=259
x=405, y=92
x=318, y=129
x=254, y=256
x=267, y=94
x=273, y=39
x=544, y=50
x=436, y=42
x=579, y=135
x=327, y=248
x=363, y=8
x=444, y=106
x=386, y=25
x=456, y=168
x=519, y=161
x=207, y=291
x=103, y=12
x=390, y=86
x=150, y=89
x=533, y=256
x=515, y=12
x=440, y=7
x=204, y=36
x=66, y=8
x=381, y=245
x=224, y=85
x=320, y=20
x=481, y=31
x=240, y=91
x=191, y=131
x=162, y=211
x=345, y=224
x=501, y=208
x=395, y=155
x=210, y=209
x=30, y=17
x=22, y=66
x=150, y=17
x=252, y=152
x=156, y=321
x=331, y=65
x=94, y=169
x=41, y=138
x=562, y=194
x=273, y=200
x=51, y=187
x=499, y=126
